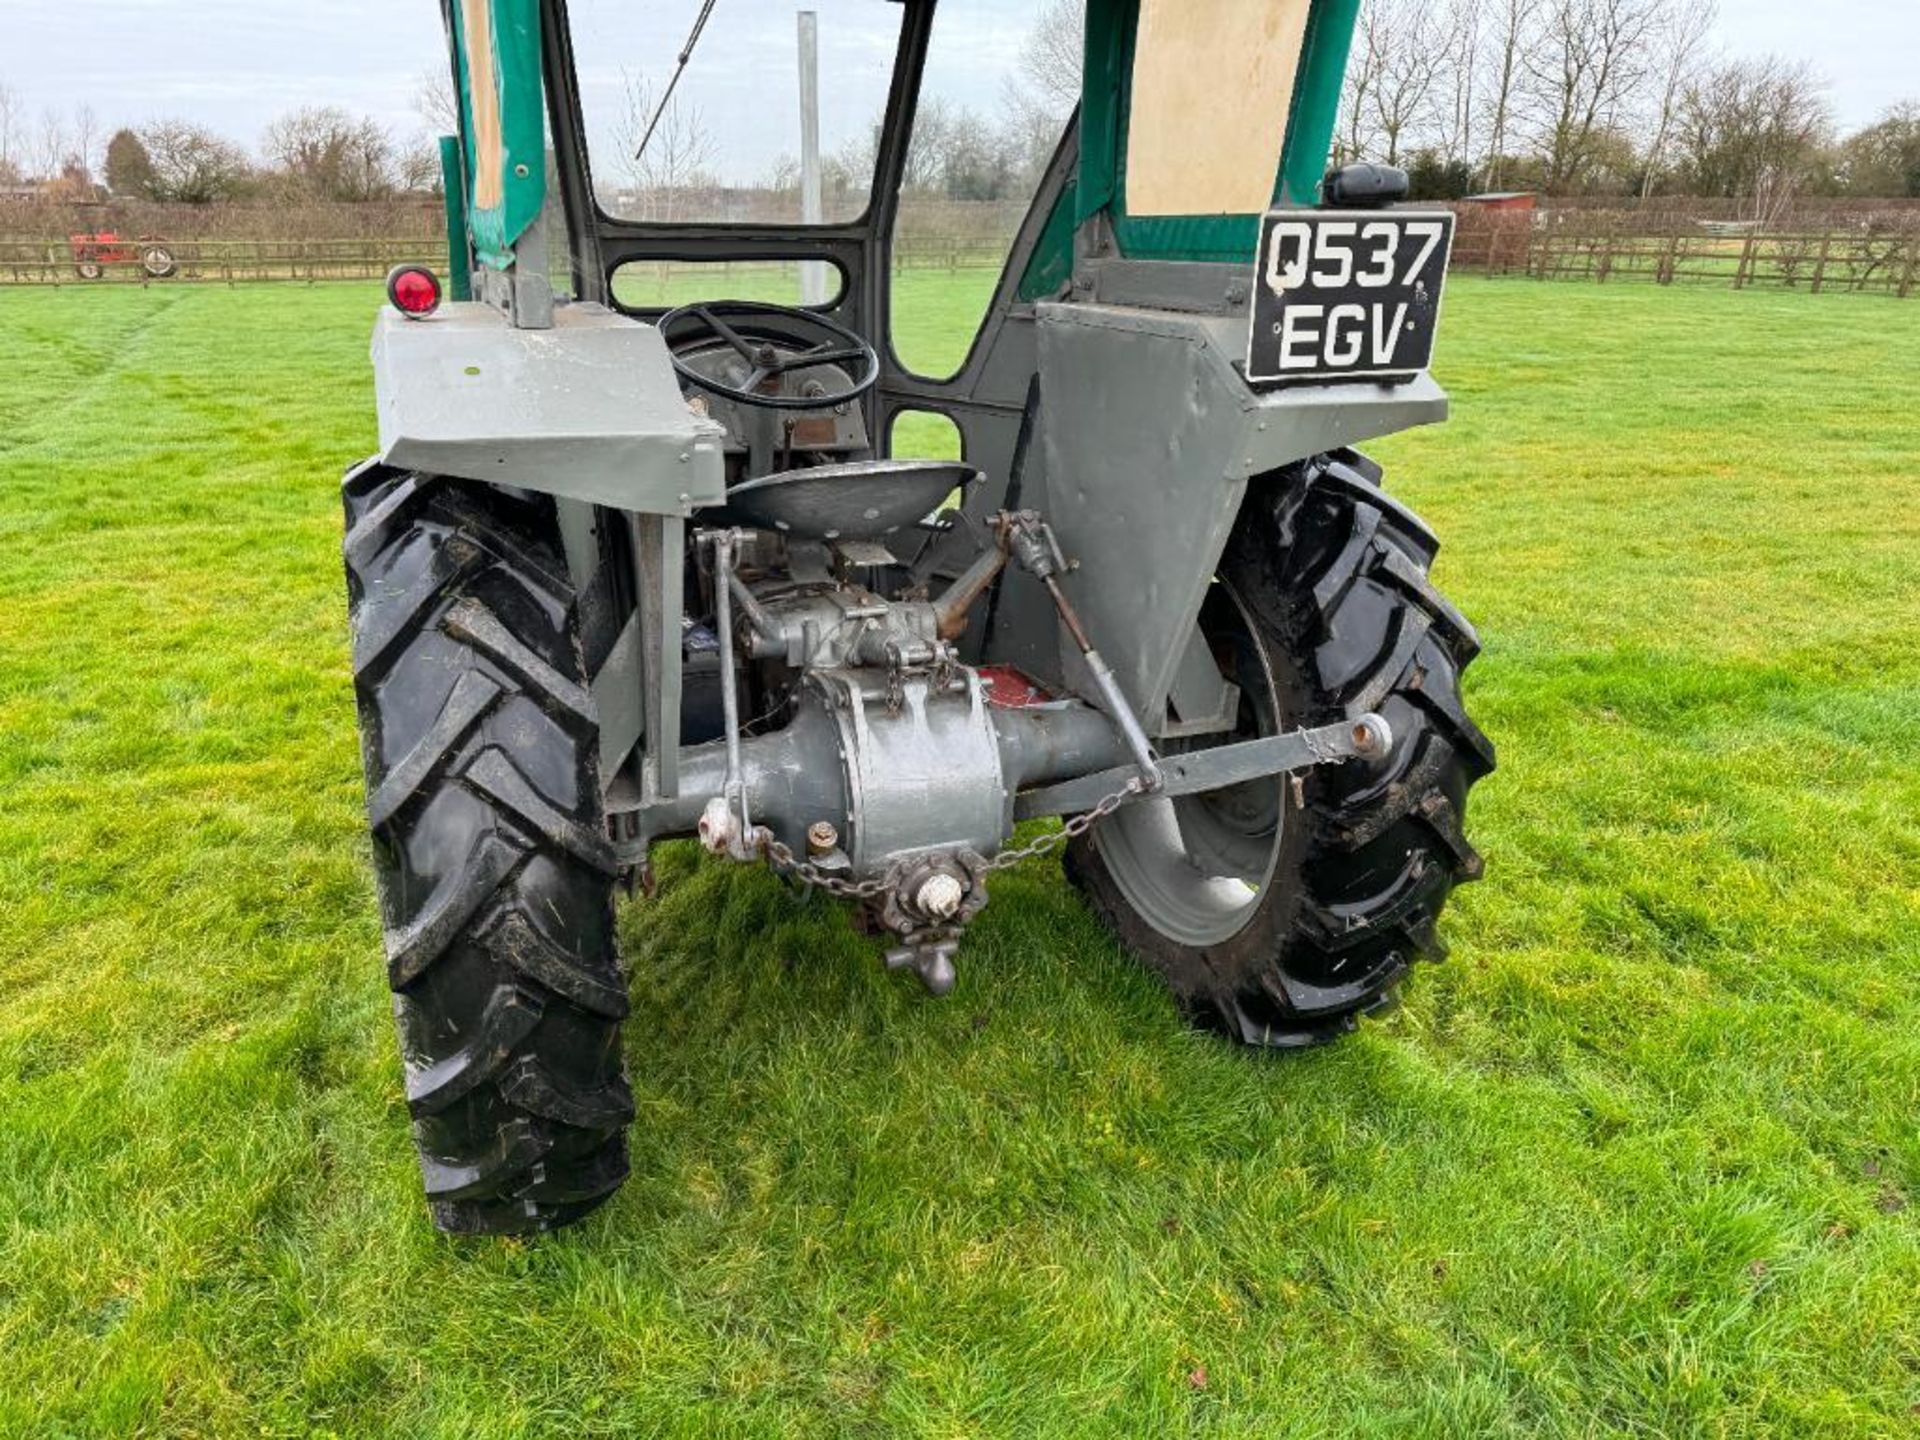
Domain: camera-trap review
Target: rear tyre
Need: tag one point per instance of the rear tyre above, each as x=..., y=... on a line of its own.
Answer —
x=1281, y=912
x=489, y=838
x=157, y=261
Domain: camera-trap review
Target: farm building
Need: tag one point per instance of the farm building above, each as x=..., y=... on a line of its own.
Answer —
x=1504, y=200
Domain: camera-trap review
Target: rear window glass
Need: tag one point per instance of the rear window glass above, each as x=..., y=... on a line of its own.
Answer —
x=651, y=285
x=727, y=145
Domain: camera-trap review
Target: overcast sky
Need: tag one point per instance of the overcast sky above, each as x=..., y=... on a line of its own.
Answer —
x=234, y=64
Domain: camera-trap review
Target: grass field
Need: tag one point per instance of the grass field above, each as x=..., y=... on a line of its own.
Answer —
x=1639, y=1159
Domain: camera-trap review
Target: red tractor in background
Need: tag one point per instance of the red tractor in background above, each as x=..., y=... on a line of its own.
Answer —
x=92, y=254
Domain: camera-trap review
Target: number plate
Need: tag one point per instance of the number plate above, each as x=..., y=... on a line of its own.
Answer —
x=1347, y=295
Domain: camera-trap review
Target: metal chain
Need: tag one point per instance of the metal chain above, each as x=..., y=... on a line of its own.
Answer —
x=782, y=858
x=1072, y=830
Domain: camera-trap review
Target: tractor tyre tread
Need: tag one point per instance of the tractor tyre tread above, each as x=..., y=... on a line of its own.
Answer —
x=480, y=746
x=1335, y=574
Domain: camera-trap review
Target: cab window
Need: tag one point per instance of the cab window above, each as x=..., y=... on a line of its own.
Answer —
x=726, y=146
x=997, y=96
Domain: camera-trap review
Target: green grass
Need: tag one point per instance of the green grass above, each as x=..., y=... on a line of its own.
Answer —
x=1637, y=1160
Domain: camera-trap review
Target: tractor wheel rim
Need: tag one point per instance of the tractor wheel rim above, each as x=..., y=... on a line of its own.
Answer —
x=1195, y=869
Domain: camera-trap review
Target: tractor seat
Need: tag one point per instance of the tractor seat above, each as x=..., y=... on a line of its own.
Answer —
x=858, y=500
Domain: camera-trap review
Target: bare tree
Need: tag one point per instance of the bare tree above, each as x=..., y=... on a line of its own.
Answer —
x=1356, y=130
x=1510, y=28
x=1798, y=129
x=13, y=119
x=52, y=145
x=51, y=150
x=192, y=164
x=1583, y=76
x=417, y=163
x=1680, y=36
x=416, y=166
x=676, y=156
x=1030, y=129
x=86, y=138
x=849, y=170
x=62, y=157
x=783, y=175
x=1752, y=130
x=1037, y=98
x=1884, y=159
x=434, y=102
x=1457, y=81
x=323, y=151
x=935, y=123
x=1052, y=59
x=1410, y=52
x=978, y=163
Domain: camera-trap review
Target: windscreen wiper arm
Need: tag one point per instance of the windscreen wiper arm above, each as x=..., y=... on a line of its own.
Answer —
x=686, y=54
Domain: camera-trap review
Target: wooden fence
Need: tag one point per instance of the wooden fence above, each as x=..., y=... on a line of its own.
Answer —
x=1877, y=259
x=232, y=262
x=935, y=252
x=45, y=262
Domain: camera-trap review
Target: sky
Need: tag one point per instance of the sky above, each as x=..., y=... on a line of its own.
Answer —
x=235, y=64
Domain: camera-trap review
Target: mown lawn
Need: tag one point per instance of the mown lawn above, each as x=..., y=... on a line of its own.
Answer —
x=1639, y=1159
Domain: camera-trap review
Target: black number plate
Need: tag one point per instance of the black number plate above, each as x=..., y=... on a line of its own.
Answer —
x=1347, y=295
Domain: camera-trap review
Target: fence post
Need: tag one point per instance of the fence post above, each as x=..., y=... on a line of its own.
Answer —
x=1597, y=248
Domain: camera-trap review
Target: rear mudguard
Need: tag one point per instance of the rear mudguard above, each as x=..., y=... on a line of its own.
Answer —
x=1150, y=436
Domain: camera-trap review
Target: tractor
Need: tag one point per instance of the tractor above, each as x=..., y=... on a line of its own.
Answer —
x=96, y=253
x=626, y=572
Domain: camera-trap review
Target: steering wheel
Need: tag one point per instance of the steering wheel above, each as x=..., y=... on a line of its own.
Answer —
x=835, y=345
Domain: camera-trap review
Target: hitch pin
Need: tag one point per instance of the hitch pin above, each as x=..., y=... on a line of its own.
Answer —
x=1038, y=552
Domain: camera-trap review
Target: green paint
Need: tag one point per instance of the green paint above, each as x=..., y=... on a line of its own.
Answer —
x=1051, y=265
x=1230, y=238
x=1316, y=100
x=1109, y=58
x=453, y=184
x=523, y=159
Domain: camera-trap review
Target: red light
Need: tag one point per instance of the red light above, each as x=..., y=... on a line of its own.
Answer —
x=414, y=291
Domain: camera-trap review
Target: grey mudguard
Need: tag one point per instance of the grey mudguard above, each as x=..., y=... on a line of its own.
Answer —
x=1151, y=435
x=588, y=410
